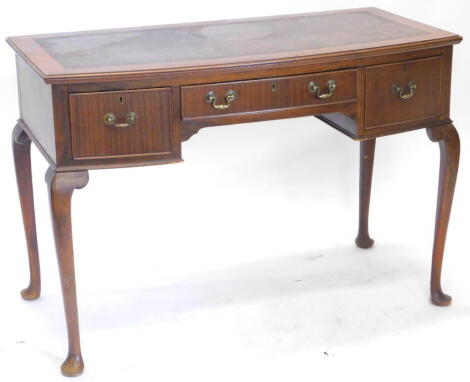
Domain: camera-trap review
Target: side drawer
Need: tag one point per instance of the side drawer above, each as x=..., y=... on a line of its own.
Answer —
x=121, y=123
x=403, y=93
x=268, y=94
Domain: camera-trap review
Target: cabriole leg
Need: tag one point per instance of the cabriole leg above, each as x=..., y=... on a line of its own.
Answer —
x=367, y=151
x=449, y=146
x=22, y=157
x=61, y=186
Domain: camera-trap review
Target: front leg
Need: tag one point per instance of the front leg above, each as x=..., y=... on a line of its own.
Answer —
x=22, y=157
x=449, y=145
x=367, y=151
x=61, y=186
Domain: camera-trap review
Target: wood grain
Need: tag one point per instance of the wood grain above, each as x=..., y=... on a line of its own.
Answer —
x=150, y=133
x=449, y=147
x=65, y=57
x=61, y=187
x=69, y=81
x=36, y=109
x=366, y=161
x=268, y=94
x=385, y=107
x=22, y=158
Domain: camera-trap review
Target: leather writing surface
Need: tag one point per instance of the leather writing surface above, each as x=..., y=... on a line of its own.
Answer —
x=62, y=57
x=222, y=40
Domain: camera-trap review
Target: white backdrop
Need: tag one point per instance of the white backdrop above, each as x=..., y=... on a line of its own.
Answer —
x=239, y=264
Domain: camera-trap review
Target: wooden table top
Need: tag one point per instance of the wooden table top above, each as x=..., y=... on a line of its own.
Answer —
x=223, y=43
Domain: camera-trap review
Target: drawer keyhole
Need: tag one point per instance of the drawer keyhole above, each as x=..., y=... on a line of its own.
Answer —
x=121, y=100
x=273, y=87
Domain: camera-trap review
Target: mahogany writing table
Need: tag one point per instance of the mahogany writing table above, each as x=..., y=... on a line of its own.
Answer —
x=130, y=97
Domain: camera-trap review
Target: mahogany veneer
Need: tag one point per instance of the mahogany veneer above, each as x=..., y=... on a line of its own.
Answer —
x=129, y=97
x=151, y=132
x=269, y=94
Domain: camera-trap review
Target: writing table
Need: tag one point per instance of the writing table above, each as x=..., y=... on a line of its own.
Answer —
x=130, y=97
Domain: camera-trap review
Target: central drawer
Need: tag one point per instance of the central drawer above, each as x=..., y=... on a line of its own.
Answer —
x=226, y=98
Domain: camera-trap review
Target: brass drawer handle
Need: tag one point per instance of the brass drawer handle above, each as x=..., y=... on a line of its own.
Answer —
x=314, y=88
x=230, y=96
x=411, y=88
x=110, y=119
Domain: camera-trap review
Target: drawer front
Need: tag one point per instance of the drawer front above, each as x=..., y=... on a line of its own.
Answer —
x=121, y=123
x=268, y=94
x=391, y=98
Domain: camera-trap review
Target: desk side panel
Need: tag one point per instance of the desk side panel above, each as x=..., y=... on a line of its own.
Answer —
x=36, y=111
